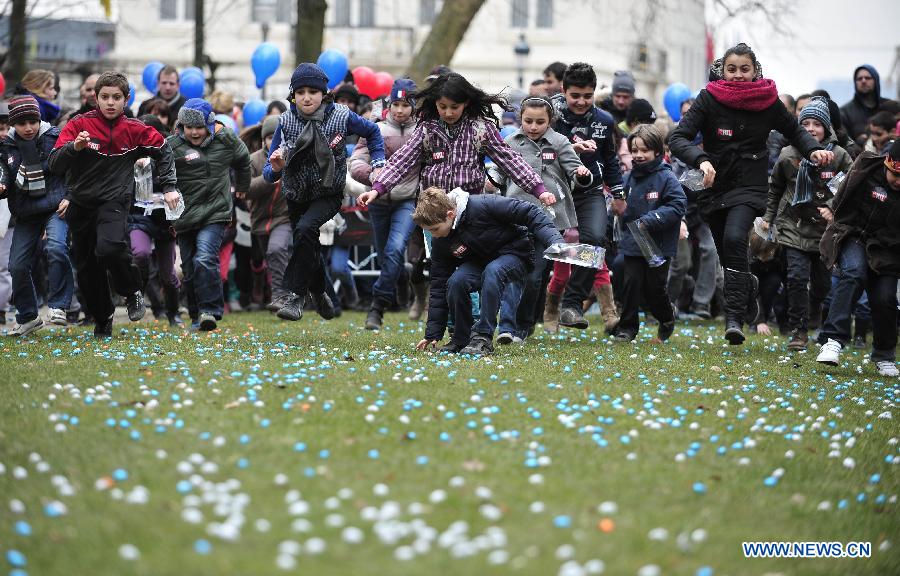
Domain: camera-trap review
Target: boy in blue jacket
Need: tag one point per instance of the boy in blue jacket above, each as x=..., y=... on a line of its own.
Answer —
x=480, y=243
x=655, y=199
x=35, y=196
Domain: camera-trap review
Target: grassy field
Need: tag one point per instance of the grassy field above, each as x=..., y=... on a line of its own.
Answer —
x=319, y=448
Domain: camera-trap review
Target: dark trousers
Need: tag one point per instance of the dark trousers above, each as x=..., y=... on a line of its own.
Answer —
x=306, y=269
x=730, y=229
x=808, y=283
x=855, y=277
x=102, y=253
x=489, y=281
x=641, y=283
x=591, y=211
x=200, y=264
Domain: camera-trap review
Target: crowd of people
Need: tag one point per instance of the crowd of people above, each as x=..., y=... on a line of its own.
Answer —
x=762, y=208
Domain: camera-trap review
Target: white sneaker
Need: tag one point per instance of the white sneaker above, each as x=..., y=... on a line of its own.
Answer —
x=887, y=368
x=505, y=338
x=57, y=316
x=830, y=353
x=22, y=330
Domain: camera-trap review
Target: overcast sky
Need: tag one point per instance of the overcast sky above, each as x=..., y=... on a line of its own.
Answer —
x=829, y=38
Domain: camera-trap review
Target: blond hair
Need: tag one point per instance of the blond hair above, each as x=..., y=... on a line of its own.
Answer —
x=432, y=207
x=222, y=102
x=36, y=80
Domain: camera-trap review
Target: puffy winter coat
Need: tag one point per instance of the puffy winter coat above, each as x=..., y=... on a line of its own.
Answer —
x=656, y=199
x=21, y=203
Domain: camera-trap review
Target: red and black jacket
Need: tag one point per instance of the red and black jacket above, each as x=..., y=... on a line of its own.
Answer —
x=104, y=170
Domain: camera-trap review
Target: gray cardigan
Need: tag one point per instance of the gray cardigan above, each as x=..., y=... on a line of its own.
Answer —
x=556, y=161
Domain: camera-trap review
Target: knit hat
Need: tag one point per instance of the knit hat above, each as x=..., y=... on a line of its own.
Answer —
x=623, y=81
x=23, y=108
x=269, y=125
x=817, y=108
x=402, y=89
x=892, y=160
x=196, y=113
x=347, y=91
x=640, y=111
x=309, y=75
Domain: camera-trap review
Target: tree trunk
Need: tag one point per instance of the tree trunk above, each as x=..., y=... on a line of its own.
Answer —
x=442, y=41
x=15, y=58
x=199, y=33
x=309, y=30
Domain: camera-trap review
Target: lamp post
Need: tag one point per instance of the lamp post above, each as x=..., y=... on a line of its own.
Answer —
x=521, y=50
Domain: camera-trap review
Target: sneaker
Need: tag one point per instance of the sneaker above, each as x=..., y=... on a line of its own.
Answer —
x=623, y=337
x=830, y=353
x=103, y=328
x=291, y=309
x=451, y=347
x=887, y=368
x=276, y=304
x=135, y=306
x=506, y=338
x=207, y=322
x=859, y=342
x=573, y=318
x=478, y=346
x=374, y=319
x=799, y=340
x=175, y=320
x=57, y=316
x=323, y=304
x=22, y=330
x=701, y=312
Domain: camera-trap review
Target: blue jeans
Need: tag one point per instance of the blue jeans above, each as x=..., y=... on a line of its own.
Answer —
x=855, y=277
x=392, y=226
x=490, y=281
x=520, y=297
x=26, y=242
x=200, y=265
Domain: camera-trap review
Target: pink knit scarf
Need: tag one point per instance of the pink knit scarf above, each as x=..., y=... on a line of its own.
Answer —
x=753, y=96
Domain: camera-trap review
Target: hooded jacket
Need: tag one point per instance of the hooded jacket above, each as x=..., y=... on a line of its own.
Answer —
x=657, y=201
x=801, y=226
x=486, y=227
x=268, y=207
x=21, y=205
x=734, y=141
x=600, y=127
x=395, y=135
x=104, y=170
x=204, y=176
x=867, y=208
x=855, y=114
x=553, y=158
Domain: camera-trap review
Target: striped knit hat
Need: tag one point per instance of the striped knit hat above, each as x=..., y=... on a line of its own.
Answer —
x=817, y=109
x=23, y=108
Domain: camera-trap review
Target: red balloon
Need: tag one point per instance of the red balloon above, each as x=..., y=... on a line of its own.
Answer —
x=364, y=78
x=2, y=84
x=384, y=82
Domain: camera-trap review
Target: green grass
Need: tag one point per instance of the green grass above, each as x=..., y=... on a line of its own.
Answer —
x=432, y=418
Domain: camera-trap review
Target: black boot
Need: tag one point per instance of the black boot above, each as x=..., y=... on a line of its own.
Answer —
x=375, y=317
x=737, y=291
x=861, y=329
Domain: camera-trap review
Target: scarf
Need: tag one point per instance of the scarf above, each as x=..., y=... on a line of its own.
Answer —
x=806, y=181
x=751, y=96
x=311, y=141
x=644, y=169
x=31, y=174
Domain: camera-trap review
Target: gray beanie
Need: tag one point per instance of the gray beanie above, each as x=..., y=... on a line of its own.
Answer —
x=623, y=81
x=817, y=108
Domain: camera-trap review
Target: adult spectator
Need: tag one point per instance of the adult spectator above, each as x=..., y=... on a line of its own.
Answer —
x=537, y=88
x=622, y=95
x=88, y=96
x=553, y=77
x=855, y=114
x=168, y=87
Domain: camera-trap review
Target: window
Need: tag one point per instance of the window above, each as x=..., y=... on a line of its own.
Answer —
x=519, y=14
x=342, y=13
x=545, y=13
x=427, y=12
x=168, y=9
x=271, y=11
x=189, y=9
x=367, y=13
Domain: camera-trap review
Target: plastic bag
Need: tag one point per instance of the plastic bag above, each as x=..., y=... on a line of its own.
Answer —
x=585, y=255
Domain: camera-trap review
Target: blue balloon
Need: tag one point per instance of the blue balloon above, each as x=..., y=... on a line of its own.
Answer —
x=334, y=64
x=192, y=70
x=265, y=61
x=254, y=112
x=150, y=76
x=507, y=130
x=131, y=92
x=674, y=95
x=228, y=121
x=192, y=85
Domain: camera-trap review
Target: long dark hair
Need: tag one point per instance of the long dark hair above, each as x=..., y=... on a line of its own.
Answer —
x=479, y=104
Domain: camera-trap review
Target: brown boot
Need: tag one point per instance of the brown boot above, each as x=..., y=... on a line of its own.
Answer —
x=420, y=300
x=608, y=307
x=551, y=313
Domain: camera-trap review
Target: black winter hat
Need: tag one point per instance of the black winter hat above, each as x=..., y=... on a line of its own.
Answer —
x=309, y=74
x=640, y=111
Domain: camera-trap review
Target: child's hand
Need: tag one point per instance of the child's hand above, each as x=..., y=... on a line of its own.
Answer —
x=489, y=186
x=171, y=199
x=585, y=146
x=61, y=209
x=240, y=195
x=81, y=141
x=619, y=205
x=826, y=213
x=764, y=226
x=547, y=199
x=366, y=198
x=276, y=161
x=822, y=157
x=709, y=173
x=582, y=171
x=763, y=328
x=683, y=233
x=425, y=344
